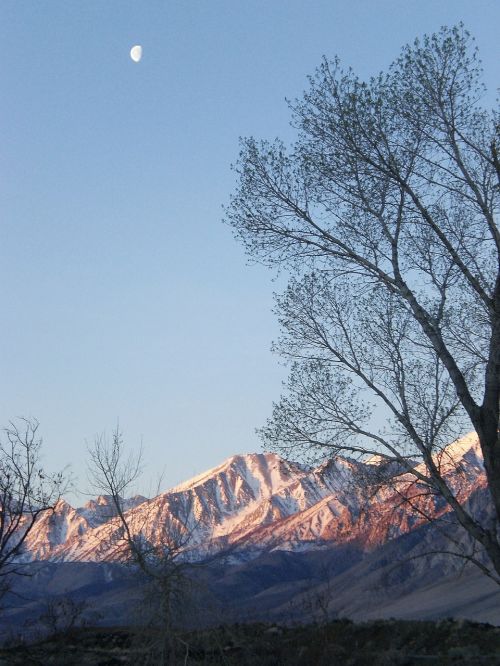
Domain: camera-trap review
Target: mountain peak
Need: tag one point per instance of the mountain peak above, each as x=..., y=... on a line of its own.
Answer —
x=251, y=466
x=464, y=445
x=250, y=503
x=100, y=500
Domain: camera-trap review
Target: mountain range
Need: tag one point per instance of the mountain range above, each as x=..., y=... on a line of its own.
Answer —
x=274, y=534
x=258, y=503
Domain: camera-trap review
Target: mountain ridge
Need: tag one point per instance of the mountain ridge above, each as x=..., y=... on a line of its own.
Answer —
x=253, y=503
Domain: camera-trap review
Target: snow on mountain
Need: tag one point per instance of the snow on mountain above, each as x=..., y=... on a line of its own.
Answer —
x=253, y=503
x=54, y=528
x=67, y=525
x=463, y=455
x=217, y=508
x=460, y=464
x=207, y=514
x=327, y=521
x=262, y=472
x=99, y=510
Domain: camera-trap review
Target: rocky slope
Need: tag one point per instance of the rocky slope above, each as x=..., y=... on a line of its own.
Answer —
x=278, y=541
x=258, y=503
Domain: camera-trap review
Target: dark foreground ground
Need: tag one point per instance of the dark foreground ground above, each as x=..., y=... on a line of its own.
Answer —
x=339, y=643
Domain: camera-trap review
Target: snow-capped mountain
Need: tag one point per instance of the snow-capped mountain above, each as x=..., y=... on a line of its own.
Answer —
x=256, y=503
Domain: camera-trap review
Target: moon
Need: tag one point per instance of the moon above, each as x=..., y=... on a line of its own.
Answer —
x=136, y=53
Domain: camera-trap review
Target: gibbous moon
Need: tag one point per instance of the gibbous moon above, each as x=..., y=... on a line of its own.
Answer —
x=136, y=53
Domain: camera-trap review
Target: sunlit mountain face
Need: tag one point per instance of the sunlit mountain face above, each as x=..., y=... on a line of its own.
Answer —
x=258, y=503
x=276, y=541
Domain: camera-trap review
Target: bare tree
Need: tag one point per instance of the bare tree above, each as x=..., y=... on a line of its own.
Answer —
x=26, y=492
x=113, y=471
x=384, y=210
x=63, y=614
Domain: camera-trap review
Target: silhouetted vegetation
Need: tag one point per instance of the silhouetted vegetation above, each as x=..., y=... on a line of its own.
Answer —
x=384, y=213
x=382, y=643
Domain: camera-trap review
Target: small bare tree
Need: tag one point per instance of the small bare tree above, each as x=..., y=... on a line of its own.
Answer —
x=63, y=614
x=113, y=471
x=27, y=491
x=385, y=210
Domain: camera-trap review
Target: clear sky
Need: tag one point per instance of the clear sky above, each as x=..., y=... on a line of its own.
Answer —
x=123, y=296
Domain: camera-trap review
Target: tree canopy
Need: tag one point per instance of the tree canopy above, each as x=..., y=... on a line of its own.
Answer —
x=384, y=212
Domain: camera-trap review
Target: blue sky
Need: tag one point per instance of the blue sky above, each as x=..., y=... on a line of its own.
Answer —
x=123, y=295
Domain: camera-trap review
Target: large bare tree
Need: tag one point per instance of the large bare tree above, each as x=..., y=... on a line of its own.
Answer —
x=384, y=211
x=27, y=491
